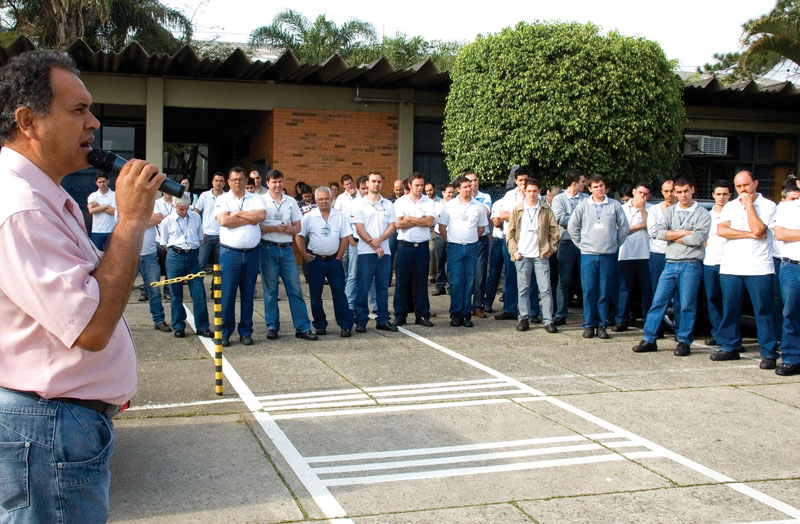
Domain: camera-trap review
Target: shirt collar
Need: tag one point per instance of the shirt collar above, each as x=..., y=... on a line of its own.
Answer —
x=605, y=201
x=13, y=161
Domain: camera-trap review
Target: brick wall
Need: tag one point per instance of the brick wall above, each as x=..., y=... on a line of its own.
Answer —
x=318, y=146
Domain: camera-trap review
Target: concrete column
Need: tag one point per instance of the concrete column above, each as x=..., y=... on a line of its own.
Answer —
x=405, y=140
x=154, y=130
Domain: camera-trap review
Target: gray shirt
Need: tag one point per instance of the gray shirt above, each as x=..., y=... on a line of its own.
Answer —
x=598, y=229
x=691, y=247
x=563, y=206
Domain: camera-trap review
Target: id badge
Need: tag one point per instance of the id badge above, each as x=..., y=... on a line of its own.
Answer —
x=599, y=225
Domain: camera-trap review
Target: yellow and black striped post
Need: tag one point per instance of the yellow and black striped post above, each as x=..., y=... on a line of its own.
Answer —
x=218, y=328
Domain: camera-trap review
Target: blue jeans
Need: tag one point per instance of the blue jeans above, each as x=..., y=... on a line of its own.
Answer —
x=479, y=282
x=527, y=269
x=209, y=251
x=239, y=271
x=178, y=265
x=151, y=272
x=630, y=270
x=411, y=271
x=372, y=271
x=759, y=287
x=495, y=271
x=597, y=273
x=790, y=335
x=53, y=461
x=776, y=290
x=280, y=262
x=318, y=271
x=100, y=240
x=569, y=256
x=714, y=298
x=461, y=261
x=683, y=278
x=656, y=265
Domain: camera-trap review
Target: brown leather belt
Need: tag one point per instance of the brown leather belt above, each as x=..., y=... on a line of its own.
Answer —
x=109, y=410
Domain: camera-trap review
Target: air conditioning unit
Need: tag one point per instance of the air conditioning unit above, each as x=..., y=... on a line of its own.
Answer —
x=704, y=145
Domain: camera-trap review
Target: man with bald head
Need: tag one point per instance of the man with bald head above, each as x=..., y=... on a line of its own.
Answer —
x=747, y=263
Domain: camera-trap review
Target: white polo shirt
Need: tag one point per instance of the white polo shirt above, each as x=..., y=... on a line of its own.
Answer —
x=637, y=244
x=715, y=245
x=788, y=215
x=242, y=237
x=149, y=241
x=205, y=204
x=285, y=212
x=528, y=243
x=405, y=207
x=748, y=256
x=324, y=235
x=185, y=233
x=103, y=222
x=463, y=220
x=376, y=218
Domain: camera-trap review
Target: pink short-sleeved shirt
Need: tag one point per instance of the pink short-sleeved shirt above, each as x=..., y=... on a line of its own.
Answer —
x=48, y=295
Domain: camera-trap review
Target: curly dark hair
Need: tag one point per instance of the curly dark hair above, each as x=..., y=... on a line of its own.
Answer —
x=25, y=82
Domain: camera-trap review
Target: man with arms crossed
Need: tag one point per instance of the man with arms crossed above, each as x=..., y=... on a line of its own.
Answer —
x=715, y=245
x=479, y=284
x=67, y=362
x=239, y=214
x=685, y=227
x=634, y=257
x=102, y=207
x=786, y=228
x=209, y=249
x=569, y=256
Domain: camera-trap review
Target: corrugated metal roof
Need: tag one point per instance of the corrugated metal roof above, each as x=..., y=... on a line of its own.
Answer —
x=745, y=94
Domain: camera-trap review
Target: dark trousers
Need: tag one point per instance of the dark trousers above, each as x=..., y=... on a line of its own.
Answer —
x=239, y=271
x=440, y=249
x=630, y=271
x=318, y=271
x=569, y=257
x=495, y=271
x=479, y=283
x=411, y=271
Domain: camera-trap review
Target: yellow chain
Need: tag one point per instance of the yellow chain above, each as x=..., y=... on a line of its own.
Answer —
x=178, y=279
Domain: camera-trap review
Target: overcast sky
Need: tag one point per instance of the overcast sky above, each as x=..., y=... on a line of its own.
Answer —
x=688, y=30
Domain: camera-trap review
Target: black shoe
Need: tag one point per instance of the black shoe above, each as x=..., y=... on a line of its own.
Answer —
x=386, y=327
x=361, y=328
x=179, y=333
x=786, y=370
x=306, y=335
x=505, y=316
x=768, y=363
x=345, y=333
x=551, y=327
x=602, y=333
x=144, y=297
x=272, y=334
x=225, y=342
x=246, y=341
x=467, y=322
x=488, y=309
x=205, y=333
x=619, y=328
x=588, y=332
x=398, y=321
x=740, y=349
x=645, y=347
x=422, y=321
x=724, y=355
x=523, y=325
x=710, y=342
x=535, y=319
x=682, y=350
x=321, y=331
x=162, y=326
x=438, y=292
x=559, y=321
x=455, y=320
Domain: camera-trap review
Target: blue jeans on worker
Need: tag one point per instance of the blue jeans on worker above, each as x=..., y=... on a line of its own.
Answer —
x=790, y=334
x=683, y=278
x=151, y=272
x=569, y=256
x=629, y=271
x=411, y=269
x=656, y=266
x=279, y=262
x=714, y=298
x=495, y=271
x=239, y=271
x=372, y=271
x=597, y=273
x=178, y=265
x=318, y=271
x=776, y=290
x=759, y=288
x=209, y=251
x=461, y=262
x=100, y=240
x=479, y=282
x=530, y=270
x=54, y=458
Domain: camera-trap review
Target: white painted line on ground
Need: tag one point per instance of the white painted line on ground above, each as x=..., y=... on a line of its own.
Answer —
x=479, y=470
x=316, y=488
x=494, y=385
x=183, y=404
x=659, y=450
x=792, y=521
x=456, y=449
x=314, y=405
x=376, y=389
x=314, y=400
x=453, y=395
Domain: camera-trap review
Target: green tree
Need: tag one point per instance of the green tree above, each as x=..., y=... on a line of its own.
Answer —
x=562, y=96
x=404, y=51
x=314, y=42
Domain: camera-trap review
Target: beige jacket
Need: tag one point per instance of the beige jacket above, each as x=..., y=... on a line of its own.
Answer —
x=548, y=230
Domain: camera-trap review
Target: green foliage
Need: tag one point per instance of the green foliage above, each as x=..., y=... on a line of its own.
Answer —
x=559, y=96
x=404, y=51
